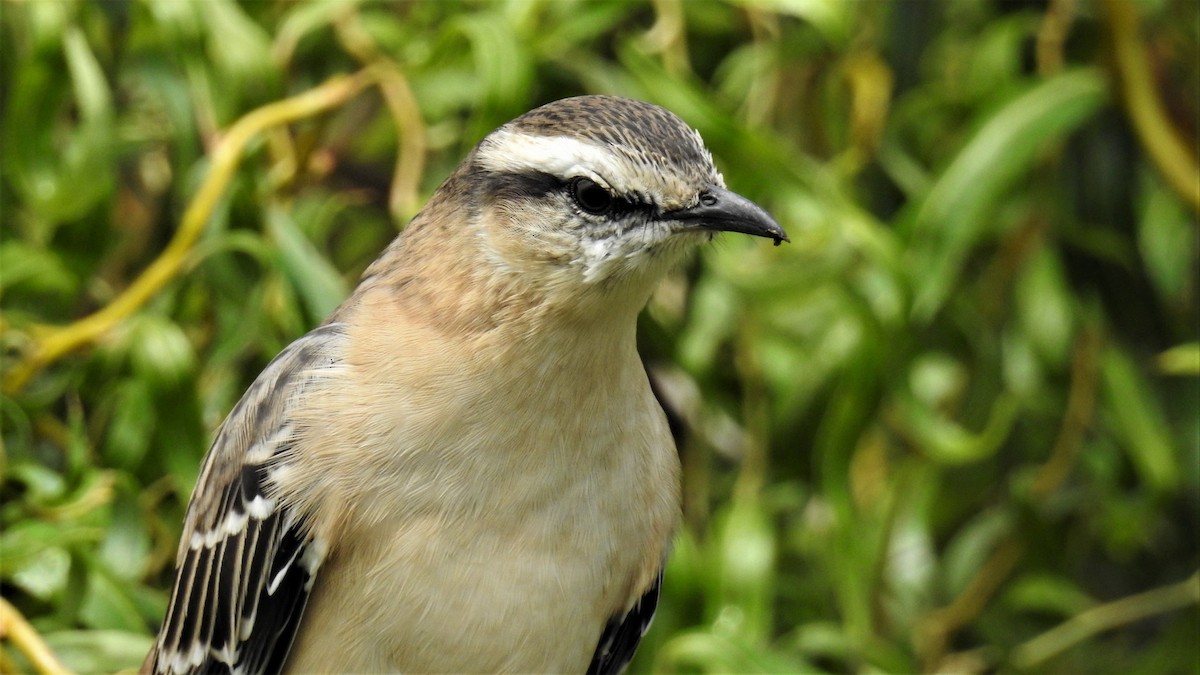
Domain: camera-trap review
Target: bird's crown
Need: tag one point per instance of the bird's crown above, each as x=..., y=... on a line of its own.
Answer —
x=636, y=150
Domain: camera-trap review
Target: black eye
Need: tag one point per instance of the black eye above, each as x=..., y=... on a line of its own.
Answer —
x=590, y=196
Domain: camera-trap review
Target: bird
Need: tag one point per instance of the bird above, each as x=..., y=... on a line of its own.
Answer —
x=464, y=468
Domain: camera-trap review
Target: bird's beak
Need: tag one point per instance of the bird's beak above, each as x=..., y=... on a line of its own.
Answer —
x=720, y=210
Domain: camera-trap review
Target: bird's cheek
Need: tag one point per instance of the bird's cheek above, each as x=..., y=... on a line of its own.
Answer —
x=524, y=241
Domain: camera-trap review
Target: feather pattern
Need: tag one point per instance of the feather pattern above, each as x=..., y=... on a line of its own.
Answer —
x=623, y=633
x=246, y=562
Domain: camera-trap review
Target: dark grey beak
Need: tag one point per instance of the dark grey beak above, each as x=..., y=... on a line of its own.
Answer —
x=720, y=210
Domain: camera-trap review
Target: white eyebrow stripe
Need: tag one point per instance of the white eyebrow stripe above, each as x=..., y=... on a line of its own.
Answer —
x=561, y=156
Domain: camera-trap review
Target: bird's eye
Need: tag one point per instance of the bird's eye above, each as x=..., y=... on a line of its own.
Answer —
x=591, y=196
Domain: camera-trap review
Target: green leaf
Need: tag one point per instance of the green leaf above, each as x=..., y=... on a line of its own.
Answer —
x=42, y=485
x=239, y=47
x=970, y=548
x=746, y=550
x=1138, y=420
x=1045, y=308
x=87, y=78
x=319, y=285
x=947, y=441
x=132, y=426
x=44, y=574
x=1182, y=360
x=160, y=352
x=708, y=652
x=126, y=544
x=714, y=308
x=504, y=73
x=23, y=541
x=60, y=169
x=1167, y=241
x=33, y=269
x=834, y=18
x=107, y=604
x=1047, y=593
x=100, y=651
x=955, y=215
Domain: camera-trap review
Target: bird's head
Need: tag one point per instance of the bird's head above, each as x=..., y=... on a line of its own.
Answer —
x=595, y=189
x=585, y=197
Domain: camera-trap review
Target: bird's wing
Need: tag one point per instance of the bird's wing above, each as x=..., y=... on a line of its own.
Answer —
x=623, y=633
x=246, y=562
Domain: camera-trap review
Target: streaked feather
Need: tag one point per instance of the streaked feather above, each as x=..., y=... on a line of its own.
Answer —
x=242, y=576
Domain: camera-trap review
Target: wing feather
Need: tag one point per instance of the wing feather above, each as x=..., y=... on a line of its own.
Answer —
x=623, y=633
x=246, y=562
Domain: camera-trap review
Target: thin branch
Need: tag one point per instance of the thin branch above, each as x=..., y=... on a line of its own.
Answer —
x=1081, y=404
x=403, y=201
x=25, y=638
x=937, y=628
x=668, y=36
x=1052, y=36
x=1105, y=617
x=52, y=343
x=1168, y=152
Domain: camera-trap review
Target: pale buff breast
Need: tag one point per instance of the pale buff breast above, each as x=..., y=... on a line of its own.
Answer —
x=542, y=454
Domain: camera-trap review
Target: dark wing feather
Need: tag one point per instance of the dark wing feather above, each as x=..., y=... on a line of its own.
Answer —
x=246, y=563
x=621, y=636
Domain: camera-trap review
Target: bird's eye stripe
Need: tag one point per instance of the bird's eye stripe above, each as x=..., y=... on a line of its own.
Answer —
x=618, y=206
x=518, y=184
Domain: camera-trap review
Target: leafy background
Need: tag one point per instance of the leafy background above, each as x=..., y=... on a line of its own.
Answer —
x=952, y=426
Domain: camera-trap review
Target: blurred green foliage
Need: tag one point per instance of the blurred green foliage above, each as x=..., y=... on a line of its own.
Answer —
x=953, y=426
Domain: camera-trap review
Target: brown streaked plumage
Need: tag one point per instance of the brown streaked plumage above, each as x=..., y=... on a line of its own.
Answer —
x=464, y=468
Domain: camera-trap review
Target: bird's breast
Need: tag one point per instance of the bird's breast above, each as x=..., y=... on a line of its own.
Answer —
x=508, y=508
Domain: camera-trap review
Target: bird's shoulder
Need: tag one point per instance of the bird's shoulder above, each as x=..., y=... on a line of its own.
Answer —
x=246, y=560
